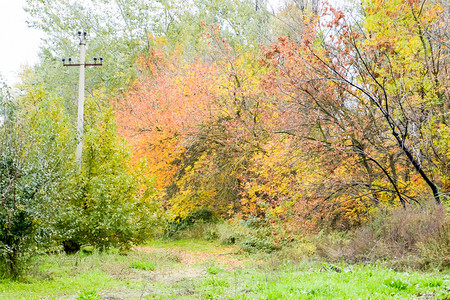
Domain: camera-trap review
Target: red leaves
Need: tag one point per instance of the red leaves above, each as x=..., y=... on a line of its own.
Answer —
x=297, y=136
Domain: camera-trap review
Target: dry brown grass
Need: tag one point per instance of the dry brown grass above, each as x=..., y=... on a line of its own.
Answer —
x=409, y=238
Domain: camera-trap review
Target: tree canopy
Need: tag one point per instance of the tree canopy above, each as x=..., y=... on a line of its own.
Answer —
x=308, y=117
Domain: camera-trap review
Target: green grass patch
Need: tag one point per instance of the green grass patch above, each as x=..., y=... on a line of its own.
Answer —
x=88, y=295
x=162, y=275
x=143, y=265
x=213, y=270
x=361, y=282
x=57, y=287
x=189, y=244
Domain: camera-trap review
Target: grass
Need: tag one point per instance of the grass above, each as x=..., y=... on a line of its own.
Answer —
x=195, y=269
x=88, y=295
x=143, y=265
x=213, y=270
x=57, y=287
x=357, y=282
x=188, y=244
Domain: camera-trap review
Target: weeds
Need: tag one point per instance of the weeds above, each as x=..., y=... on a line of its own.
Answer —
x=143, y=265
x=205, y=269
x=396, y=283
x=409, y=238
x=213, y=270
x=88, y=295
x=263, y=277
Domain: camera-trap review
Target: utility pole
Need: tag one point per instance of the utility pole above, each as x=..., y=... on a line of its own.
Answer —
x=82, y=66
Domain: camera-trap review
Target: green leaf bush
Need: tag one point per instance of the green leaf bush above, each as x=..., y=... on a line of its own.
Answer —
x=33, y=144
x=111, y=204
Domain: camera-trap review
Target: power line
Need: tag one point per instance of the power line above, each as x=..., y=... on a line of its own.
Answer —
x=82, y=65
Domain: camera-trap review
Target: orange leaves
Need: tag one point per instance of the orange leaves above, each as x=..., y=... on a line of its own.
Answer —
x=195, y=123
x=163, y=108
x=298, y=135
x=334, y=94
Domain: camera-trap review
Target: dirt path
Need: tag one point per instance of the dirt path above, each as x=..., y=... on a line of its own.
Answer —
x=177, y=280
x=226, y=257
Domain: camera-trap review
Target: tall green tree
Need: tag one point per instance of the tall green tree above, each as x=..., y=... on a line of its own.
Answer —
x=112, y=203
x=34, y=165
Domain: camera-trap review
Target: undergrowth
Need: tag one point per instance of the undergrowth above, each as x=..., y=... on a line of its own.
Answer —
x=405, y=239
x=264, y=276
x=243, y=260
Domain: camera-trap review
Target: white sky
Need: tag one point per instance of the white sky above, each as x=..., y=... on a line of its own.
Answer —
x=19, y=44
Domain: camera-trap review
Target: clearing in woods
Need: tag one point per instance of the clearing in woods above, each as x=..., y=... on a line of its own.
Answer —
x=198, y=269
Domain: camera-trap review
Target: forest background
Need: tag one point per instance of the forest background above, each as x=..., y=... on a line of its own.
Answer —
x=309, y=121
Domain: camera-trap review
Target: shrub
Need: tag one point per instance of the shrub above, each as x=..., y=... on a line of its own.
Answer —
x=31, y=174
x=111, y=203
x=255, y=244
x=411, y=237
x=195, y=225
x=252, y=235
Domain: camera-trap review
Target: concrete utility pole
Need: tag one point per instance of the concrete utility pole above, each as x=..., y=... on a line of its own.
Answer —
x=82, y=66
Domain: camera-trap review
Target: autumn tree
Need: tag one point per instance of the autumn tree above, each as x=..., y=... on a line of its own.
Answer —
x=330, y=125
x=197, y=123
x=371, y=96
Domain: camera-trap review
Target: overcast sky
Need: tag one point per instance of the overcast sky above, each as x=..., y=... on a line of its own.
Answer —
x=19, y=44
